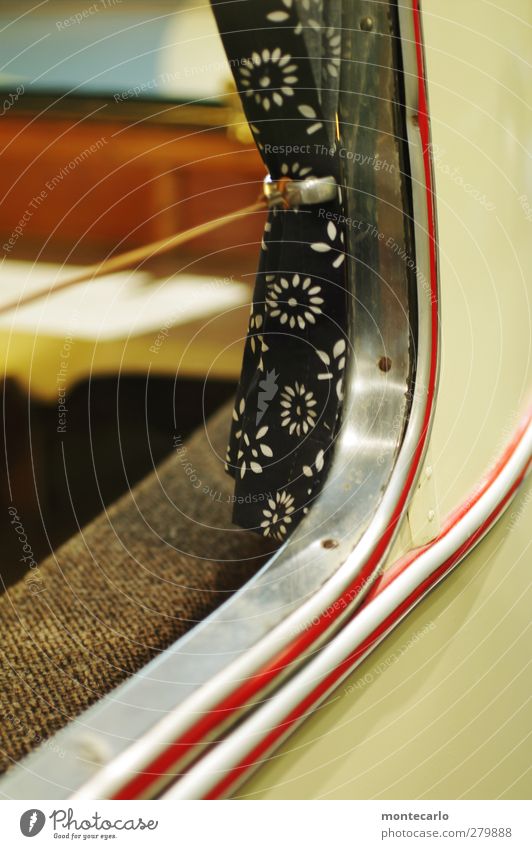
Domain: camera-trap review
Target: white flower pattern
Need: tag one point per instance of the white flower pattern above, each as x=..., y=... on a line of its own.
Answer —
x=309, y=112
x=278, y=516
x=256, y=340
x=334, y=364
x=317, y=466
x=238, y=414
x=268, y=77
x=332, y=50
x=280, y=16
x=295, y=171
x=334, y=235
x=298, y=413
x=252, y=451
x=294, y=302
x=289, y=80
x=267, y=231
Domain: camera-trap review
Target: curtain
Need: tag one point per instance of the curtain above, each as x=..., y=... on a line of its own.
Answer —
x=285, y=57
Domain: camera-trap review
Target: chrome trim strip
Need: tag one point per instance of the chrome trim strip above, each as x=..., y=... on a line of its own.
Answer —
x=376, y=462
x=229, y=753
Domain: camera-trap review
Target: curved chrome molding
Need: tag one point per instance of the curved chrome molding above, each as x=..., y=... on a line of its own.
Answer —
x=128, y=744
x=231, y=761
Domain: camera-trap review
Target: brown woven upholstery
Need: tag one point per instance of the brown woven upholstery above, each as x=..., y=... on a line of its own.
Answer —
x=122, y=590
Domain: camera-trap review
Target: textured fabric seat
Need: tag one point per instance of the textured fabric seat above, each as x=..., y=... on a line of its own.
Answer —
x=129, y=584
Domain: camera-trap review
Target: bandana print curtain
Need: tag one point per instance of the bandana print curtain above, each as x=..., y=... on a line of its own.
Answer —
x=285, y=57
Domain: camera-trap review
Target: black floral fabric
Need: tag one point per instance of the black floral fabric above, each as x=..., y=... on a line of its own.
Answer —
x=285, y=57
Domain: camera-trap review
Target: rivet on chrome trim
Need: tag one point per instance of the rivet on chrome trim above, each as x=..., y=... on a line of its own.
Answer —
x=366, y=24
x=385, y=364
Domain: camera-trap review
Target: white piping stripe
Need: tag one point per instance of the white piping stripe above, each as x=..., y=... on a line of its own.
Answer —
x=229, y=753
x=110, y=779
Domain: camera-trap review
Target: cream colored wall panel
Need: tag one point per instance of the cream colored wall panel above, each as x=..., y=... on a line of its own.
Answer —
x=480, y=85
x=442, y=708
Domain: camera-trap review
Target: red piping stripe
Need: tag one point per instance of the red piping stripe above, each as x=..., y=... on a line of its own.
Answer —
x=404, y=562
x=235, y=774
x=169, y=758
x=424, y=127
